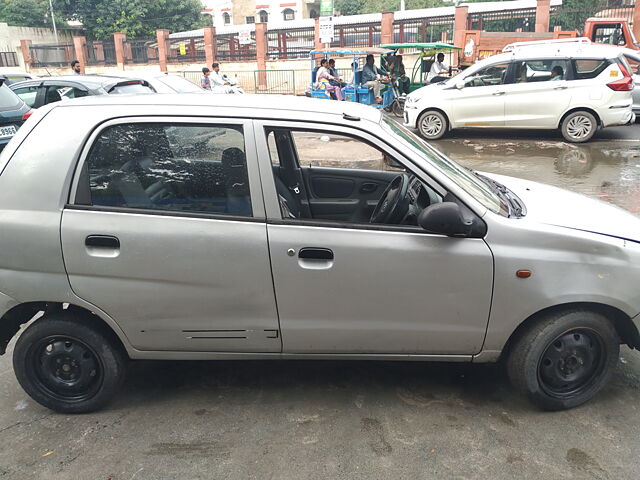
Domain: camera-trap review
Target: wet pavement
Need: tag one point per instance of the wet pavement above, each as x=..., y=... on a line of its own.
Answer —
x=352, y=420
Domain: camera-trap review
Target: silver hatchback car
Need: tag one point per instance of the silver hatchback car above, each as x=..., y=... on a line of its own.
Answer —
x=302, y=229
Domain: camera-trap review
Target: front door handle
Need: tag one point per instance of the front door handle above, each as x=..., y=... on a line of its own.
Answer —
x=498, y=93
x=561, y=87
x=102, y=241
x=312, y=253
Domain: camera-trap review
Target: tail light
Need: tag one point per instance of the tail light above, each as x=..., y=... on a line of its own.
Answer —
x=27, y=115
x=625, y=84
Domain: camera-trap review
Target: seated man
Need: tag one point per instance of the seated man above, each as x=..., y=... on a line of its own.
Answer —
x=557, y=73
x=438, y=70
x=372, y=76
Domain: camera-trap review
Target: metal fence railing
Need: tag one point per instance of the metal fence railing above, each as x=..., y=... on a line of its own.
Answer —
x=141, y=51
x=573, y=18
x=230, y=49
x=290, y=43
x=434, y=29
x=363, y=35
x=8, y=59
x=504, y=21
x=101, y=53
x=50, y=55
x=186, y=50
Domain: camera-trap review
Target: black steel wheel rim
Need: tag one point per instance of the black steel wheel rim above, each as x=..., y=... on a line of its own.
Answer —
x=572, y=363
x=65, y=368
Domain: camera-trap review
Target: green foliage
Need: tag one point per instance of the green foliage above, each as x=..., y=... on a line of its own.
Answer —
x=25, y=13
x=135, y=18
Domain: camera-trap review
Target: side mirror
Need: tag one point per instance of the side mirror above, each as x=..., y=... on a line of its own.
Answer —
x=445, y=218
x=460, y=84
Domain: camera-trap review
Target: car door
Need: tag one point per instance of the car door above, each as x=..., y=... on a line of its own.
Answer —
x=354, y=287
x=539, y=94
x=480, y=102
x=167, y=235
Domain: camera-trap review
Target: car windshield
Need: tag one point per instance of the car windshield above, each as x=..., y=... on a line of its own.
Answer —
x=179, y=84
x=463, y=177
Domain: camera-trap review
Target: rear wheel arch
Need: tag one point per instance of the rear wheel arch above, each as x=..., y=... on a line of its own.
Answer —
x=17, y=316
x=580, y=109
x=623, y=324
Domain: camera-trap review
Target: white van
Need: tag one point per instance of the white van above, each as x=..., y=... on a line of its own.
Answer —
x=575, y=87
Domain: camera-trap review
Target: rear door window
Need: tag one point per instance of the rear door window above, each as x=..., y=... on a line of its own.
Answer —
x=174, y=167
x=28, y=94
x=542, y=70
x=586, y=68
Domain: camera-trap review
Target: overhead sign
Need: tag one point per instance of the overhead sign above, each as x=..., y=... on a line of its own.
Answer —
x=326, y=29
x=244, y=36
x=326, y=8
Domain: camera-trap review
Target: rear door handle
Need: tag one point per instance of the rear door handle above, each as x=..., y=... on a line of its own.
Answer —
x=498, y=93
x=102, y=241
x=316, y=253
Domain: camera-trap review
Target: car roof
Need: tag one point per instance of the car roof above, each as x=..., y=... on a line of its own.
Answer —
x=260, y=105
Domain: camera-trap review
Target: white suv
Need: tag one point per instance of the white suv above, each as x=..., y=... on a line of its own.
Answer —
x=574, y=87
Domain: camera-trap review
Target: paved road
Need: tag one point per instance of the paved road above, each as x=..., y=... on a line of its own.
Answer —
x=352, y=420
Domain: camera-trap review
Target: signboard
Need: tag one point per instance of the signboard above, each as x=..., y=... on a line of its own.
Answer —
x=326, y=8
x=244, y=36
x=326, y=29
x=183, y=49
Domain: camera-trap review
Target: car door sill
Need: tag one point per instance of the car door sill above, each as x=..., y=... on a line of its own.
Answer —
x=173, y=355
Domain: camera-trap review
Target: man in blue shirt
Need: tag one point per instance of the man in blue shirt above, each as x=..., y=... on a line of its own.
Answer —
x=371, y=76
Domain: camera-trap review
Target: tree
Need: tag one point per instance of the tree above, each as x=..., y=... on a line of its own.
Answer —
x=135, y=18
x=25, y=13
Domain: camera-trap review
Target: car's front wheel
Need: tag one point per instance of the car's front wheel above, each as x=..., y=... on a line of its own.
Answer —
x=579, y=127
x=432, y=125
x=564, y=359
x=67, y=364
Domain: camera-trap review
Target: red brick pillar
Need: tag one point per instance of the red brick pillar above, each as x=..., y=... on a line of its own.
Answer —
x=80, y=47
x=261, y=54
x=543, y=14
x=210, y=45
x=26, y=54
x=636, y=20
x=386, y=29
x=317, y=45
x=460, y=24
x=118, y=39
x=163, y=48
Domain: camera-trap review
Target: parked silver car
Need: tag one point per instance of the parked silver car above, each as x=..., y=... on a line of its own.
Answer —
x=307, y=230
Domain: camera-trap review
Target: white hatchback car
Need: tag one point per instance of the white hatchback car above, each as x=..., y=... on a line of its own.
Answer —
x=574, y=87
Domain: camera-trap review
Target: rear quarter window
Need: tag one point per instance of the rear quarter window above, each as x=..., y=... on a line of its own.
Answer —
x=586, y=68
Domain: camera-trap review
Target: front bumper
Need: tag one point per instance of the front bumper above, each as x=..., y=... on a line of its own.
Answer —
x=411, y=114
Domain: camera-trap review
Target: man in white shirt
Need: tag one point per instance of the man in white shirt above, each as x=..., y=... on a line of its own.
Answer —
x=218, y=83
x=437, y=71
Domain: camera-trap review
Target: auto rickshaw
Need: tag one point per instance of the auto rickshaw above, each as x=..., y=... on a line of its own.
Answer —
x=355, y=90
x=426, y=57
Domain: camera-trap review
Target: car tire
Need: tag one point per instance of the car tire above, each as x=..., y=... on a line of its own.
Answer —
x=579, y=126
x=68, y=364
x=398, y=107
x=432, y=125
x=564, y=359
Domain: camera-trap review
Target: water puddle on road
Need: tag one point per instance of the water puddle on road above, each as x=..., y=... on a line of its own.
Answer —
x=608, y=170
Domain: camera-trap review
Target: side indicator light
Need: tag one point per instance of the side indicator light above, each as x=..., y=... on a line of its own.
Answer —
x=523, y=273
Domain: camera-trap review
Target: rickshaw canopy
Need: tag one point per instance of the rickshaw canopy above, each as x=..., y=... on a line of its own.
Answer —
x=350, y=51
x=427, y=48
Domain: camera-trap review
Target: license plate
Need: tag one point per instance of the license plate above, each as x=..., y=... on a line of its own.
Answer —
x=9, y=131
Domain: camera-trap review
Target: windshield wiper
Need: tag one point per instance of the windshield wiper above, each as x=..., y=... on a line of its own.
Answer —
x=511, y=199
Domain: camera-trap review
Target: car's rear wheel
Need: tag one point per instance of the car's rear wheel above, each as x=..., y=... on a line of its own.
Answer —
x=68, y=366
x=564, y=359
x=432, y=125
x=579, y=127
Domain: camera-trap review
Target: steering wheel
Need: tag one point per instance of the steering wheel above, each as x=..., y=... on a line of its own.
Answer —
x=394, y=202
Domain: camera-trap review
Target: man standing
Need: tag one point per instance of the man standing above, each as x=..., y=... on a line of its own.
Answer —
x=205, y=81
x=370, y=77
x=75, y=67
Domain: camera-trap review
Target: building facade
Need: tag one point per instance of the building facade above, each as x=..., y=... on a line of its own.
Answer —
x=240, y=12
